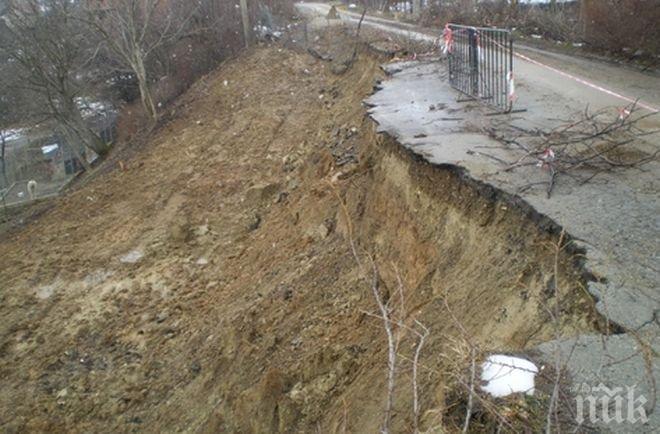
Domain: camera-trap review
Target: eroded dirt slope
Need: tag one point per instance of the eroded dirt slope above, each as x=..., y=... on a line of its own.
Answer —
x=210, y=286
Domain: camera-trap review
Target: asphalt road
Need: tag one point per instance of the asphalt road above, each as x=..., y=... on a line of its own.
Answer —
x=576, y=81
x=616, y=218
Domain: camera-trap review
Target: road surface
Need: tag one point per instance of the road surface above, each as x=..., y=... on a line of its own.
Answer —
x=578, y=81
x=614, y=217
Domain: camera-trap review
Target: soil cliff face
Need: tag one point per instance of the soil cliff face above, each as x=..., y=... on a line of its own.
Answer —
x=211, y=286
x=473, y=266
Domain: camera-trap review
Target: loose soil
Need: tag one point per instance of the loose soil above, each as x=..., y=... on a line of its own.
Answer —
x=210, y=284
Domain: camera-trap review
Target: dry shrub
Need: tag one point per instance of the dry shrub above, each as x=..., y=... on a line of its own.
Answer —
x=467, y=12
x=131, y=121
x=280, y=7
x=559, y=22
x=217, y=33
x=437, y=14
x=625, y=26
x=186, y=61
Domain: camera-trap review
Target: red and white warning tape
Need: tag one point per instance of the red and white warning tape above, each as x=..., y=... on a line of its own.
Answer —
x=448, y=36
x=624, y=113
x=546, y=158
x=588, y=83
x=511, y=87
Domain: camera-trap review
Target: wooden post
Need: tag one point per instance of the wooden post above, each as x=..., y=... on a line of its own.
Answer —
x=245, y=15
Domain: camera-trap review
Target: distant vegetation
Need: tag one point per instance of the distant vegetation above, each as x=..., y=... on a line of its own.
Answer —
x=625, y=28
x=141, y=54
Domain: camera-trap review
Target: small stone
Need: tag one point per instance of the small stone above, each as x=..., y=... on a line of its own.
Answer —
x=132, y=257
x=289, y=163
x=45, y=292
x=202, y=261
x=258, y=194
x=339, y=68
x=297, y=393
x=180, y=231
x=293, y=184
x=202, y=230
x=162, y=316
x=323, y=385
x=323, y=231
x=254, y=223
x=318, y=233
x=62, y=393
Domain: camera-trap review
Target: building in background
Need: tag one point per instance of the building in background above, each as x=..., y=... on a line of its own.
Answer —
x=42, y=154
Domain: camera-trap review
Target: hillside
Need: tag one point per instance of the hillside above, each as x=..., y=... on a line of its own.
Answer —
x=209, y=284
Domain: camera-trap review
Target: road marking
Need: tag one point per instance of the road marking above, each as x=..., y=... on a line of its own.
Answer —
x=380, y=23
x=587, y=83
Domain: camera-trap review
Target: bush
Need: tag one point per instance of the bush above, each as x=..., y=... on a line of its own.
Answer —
x=628, y=27
x=557, y=22
x=218, y=34
x=623, y=26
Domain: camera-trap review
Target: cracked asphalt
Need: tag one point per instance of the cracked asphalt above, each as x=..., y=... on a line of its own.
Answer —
x=615, y=218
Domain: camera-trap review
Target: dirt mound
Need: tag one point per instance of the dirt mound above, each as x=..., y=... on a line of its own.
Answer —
x=211, y=285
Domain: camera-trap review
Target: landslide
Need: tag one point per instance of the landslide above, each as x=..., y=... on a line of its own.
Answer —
x=210, y=285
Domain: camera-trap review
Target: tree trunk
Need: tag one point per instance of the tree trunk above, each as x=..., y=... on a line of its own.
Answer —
x=88, y=137
x=245, y=17
x=145, y=91
x=417, y=8
x=584, y=18
x=3, y=144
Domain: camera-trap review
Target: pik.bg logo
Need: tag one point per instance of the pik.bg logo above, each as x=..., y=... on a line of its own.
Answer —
x=601, y=404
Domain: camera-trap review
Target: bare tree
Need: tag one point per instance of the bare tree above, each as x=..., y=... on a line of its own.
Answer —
x=379, y=5
x=7, y=103
x=10, y=116
x=132, y=30
x=44, y=43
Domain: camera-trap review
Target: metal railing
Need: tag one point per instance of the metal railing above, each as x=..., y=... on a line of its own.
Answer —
x=481, y=64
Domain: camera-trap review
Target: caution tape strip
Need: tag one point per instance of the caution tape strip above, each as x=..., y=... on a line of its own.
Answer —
x=588, y=83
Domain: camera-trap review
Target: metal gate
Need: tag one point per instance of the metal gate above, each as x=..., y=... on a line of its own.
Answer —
x=481, y=64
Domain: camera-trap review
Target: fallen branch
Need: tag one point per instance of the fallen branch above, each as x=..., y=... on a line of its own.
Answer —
x=391, y=346
x=418, y=352
x=581, y=149
x=468, y=413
